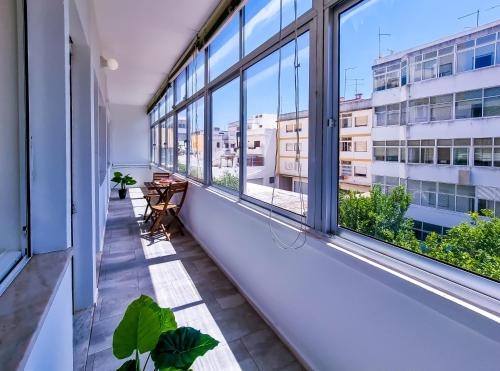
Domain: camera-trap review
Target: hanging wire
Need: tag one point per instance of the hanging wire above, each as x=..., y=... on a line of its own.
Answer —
x=300, y=238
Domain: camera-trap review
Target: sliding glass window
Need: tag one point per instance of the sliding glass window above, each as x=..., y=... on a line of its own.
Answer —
x=169, y=140
x=389, y=204
x=180, y=87
x=196, y=135
x=224, y=50
x=163, y=143
x=226, y=135
x=182, y=142
x=276, y=155
x=196, y=74
x=13, y=148
x=262, y=19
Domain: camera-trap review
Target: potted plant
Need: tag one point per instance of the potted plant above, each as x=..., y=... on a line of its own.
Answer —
x=148, y=328
x=123, y=181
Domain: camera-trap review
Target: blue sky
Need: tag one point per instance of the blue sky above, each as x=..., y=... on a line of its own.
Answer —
x=410, y=23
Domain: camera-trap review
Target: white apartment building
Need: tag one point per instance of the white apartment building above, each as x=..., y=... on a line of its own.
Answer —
x=355, y=150
x=436, y=126
x=289, y=176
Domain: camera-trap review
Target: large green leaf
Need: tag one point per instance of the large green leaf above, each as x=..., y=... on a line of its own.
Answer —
x=139, y=329
x=180, y=348
x=167, y=320
x=128, y=366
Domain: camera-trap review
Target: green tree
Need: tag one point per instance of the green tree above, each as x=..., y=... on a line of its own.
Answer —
x=379, y=215
x=228, y=180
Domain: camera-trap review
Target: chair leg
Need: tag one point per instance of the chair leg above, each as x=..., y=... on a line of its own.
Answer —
x=156, y=224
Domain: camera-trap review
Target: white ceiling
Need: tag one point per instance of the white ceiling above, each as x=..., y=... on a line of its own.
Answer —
x=146, y=37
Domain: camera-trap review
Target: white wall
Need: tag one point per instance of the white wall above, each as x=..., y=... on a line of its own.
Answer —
x=129, y=131
x=339, y=312
x=53, y=348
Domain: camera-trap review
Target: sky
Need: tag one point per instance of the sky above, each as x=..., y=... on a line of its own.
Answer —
x=430, y=20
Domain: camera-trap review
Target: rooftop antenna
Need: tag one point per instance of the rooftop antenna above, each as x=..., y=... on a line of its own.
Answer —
x=470, y=14
x=357, y=82
x=380, y=34
x=345, y=78
x=477, y=12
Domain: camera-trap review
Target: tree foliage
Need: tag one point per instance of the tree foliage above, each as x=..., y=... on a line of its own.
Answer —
x=473, y=245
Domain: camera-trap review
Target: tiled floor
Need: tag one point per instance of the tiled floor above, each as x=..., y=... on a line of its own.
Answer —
x=179, y=275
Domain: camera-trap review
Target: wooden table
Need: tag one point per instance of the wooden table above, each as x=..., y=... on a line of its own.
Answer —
x=161, y=188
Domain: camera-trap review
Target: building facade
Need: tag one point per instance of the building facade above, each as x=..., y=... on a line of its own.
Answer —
x=355, y=150
x=436, y=126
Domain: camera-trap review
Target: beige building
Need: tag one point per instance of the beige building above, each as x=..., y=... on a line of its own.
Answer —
x=355, y=152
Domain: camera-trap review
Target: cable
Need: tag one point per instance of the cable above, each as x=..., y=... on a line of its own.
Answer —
x=301, y=237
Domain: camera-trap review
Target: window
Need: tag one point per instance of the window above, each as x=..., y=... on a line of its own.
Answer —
x=441, y=107
x=196, y=74
x=360, y=146
x=346, y=144
x=419, y=110
x=496, y=153
x=393, y=114
x=461, y=151
x=427, y=151
x=14, y=227
x=262, y=19
x=391, y=150
x=346, y=120
x=161, y=107
x=224, y=50
x=169, y=99
x=387, y=76
x=163, y=141
x=380, y=119
x=182, y=142
x=226, y=140
x=361, y=121
x=465, y=56
x=492, y=102
x=345, y=169
x=361, y=171
x=169, y=133
x=196, y=135
x=446, y=56
x=468, y=104
x=444, y=151
x=260, y=97
x=180, y=87
x=292, y=147
x=485, y=51
x=155, y=140
x=483, y=152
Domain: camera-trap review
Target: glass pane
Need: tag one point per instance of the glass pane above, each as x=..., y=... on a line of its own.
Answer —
x=465, y=61
x=181, y=141
x=460, y=156
x=12, y=145
x=180, y=87
x=155, y=144
x=169, y=132
x=163, y=145
x=196, y=74
x=485, y=56
x=226, y=135
x=170, y=99
x=435, y=144
x=263, y=172
x=262, y=19
x=224, y=50
x=196, y=130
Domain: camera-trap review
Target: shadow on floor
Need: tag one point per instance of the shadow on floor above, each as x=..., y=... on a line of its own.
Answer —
x=179, y=275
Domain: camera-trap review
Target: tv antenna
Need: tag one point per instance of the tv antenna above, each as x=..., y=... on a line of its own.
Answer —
x=380, y=34
x=477, y=12
x=357, y=82
x=345, y=78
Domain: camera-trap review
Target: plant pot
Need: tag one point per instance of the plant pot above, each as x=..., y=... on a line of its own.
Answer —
x=122, y=193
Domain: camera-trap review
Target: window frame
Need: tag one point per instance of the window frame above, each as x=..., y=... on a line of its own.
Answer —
x=436, y=273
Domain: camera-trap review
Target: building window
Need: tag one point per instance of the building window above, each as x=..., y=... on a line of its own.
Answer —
x=346, y=144
x=226, y=135
x=419, y=110
x=485, y=51
x=465, y=56
x=360, y=146
x=468, y=104
x=461, y=151
x=290, y=128
x=163, y=143
x=261, y=80
x=444, y=147
x=361, y=171
x=492, y=101
x=224, y=50
x=346, y=120
x=380, y=116
x=441, y=107
x=169, y=134
x=360, y=121
x=446, y=56
x=196, y=138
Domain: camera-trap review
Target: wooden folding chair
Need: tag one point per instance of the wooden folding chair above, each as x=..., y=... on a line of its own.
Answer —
x=169, y=208
x=152, y=192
